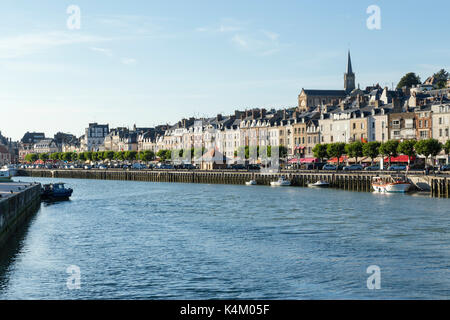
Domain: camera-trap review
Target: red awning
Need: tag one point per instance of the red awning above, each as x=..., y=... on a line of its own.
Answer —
x=401, y=158
x=304, y=160
x=341, y=159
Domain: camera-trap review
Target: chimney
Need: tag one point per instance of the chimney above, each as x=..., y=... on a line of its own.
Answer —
x=263, y=113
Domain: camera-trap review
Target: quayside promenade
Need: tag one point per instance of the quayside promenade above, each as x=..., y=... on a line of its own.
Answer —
x=438, y=185
x=18, y=201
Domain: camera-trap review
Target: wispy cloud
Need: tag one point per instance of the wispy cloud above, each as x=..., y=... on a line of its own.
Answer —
x=26, y=44
x=244, y=37
x=129, y=61
x=224, y=26
x=106, y=52
x=240, y=41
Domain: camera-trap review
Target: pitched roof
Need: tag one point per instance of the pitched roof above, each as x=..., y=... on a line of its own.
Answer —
x=334, y=93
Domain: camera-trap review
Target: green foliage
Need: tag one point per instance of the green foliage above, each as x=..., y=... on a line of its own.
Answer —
x=147, y=155
x=130, y=155
x=54, y=156
x=407, y=148
x=428, y=147
x=119, y=155
x=320, y=151
x=336, y=149
x=408, y=80
x=371, y=149
x=441, y=79
x=282, y=151
x=446, y=147
x=354, y=150
x=108, y=155
x=164, y=155
x=43, y=156
x=31, y=157
x=81, y=156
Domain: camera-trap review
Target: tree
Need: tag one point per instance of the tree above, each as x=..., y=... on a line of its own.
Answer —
x=119, y=155
x=54, y=156
x=428, y=147
x=82, y=156
x=282, y=152
x=408, y=80
x=43, y=156
x=371, y=149
x=336, y=149
x=441, y=78
x=320, y=151
x=66, y=156
x=130, y=155
x=407, y=148
x=108, y=155
x=446, y=147
x=31, y=157
x=164, y=155
x=147, y=155
x=389, y=149
x=88, y=155
x=95, y=156
x=354, y=150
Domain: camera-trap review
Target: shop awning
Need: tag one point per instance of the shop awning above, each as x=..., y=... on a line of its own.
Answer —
x=401, y=158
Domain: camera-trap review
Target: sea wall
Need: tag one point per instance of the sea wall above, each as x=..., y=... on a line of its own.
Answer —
x=18, y=201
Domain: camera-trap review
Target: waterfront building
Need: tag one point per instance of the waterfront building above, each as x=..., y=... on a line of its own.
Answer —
x=46, y=146
x=423, y=122
x=401, y=125
x=94, y=137
x=5, y=155
x=27, y=143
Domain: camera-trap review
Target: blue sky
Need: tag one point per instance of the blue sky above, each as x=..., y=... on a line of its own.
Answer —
x=153, y=62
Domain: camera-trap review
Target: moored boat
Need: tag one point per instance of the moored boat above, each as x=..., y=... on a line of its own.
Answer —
x=55, y=191
x=282, y=181
x=391, y=185
x=319, y=184
x=251, y=183
x=5, y=175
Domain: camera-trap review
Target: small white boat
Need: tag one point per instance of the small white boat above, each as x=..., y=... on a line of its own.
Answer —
x=392, y=185
x=280, y=182
x=11, y=168
x=251, y=183
x=319, y=184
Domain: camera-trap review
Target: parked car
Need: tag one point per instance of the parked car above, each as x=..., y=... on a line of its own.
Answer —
x=329, y=167
x=253, y=167
x=375, y=167
x=353, y=167
x=397, y=167
x=445, y=167
x=237, y=166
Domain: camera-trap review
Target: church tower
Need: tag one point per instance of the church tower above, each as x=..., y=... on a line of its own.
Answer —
x=349, y=76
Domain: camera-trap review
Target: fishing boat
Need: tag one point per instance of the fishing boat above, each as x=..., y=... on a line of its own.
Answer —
x=55, y=191
x=5, y=175
x=251, y=183
x=282, y=181
x=391, y=185
x=319, y=184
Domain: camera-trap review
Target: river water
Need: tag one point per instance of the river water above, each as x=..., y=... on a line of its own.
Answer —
x=141, y=240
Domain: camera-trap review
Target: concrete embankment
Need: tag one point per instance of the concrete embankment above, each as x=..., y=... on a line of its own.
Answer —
x=18, y=201
x=357, y=181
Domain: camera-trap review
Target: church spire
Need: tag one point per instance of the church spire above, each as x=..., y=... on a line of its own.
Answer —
x=349, y=76
x=349, y=64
